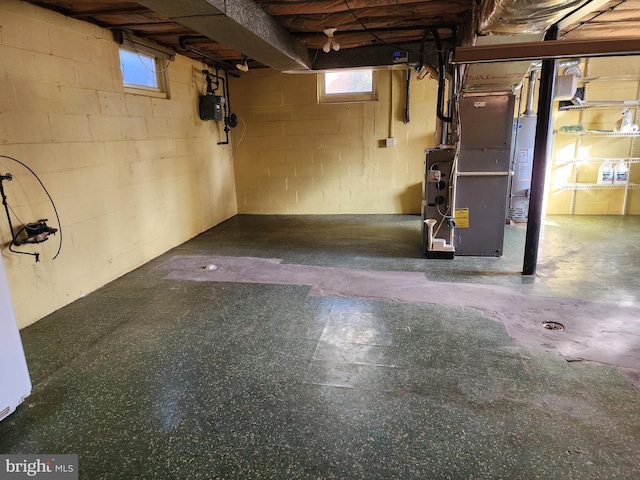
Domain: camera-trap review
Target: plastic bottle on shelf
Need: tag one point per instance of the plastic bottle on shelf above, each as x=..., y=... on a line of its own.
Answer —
x=620, y=173
x=605, y=174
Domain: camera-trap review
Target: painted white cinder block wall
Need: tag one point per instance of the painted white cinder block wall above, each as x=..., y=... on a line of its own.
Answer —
x=131, y=175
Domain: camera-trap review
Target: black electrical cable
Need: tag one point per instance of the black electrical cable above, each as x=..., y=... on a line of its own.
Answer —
x=422, y=47
x=587, y=22
x=441, y=60
x=368, y=30
x=50, y=199
x=15, y=215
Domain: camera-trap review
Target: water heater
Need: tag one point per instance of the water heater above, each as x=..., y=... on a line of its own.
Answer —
x=522, y=166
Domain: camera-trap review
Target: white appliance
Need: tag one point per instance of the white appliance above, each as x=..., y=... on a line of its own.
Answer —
x=15, y=384
x=522, y=167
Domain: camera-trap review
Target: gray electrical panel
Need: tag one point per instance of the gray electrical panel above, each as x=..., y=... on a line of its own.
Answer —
x=482, y=179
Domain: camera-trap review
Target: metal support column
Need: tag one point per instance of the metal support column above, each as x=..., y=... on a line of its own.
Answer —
x=540, y=153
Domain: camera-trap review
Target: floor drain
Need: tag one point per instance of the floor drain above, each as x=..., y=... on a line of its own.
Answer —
x=553, y=325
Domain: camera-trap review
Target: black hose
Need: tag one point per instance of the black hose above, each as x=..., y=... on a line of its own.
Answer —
x=441, y=78
x=37, y=255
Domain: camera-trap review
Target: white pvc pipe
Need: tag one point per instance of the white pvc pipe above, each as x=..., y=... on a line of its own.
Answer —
x=430, y=224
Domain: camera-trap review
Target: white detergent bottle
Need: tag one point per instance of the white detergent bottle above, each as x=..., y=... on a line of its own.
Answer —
x=605, y=174
x=620, y=173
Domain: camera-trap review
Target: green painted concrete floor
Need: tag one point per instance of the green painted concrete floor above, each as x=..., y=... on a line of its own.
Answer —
x=151, y=378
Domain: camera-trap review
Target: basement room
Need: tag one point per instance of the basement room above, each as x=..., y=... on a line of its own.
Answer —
x=333, y=239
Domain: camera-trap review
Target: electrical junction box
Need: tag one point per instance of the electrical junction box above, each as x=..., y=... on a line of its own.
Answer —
x=210, y=107
x=390, y=142
x=400, y=57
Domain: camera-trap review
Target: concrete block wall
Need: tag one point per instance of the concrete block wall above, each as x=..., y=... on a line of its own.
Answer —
x=566, y=147
x=297, y=156
x=131, y=175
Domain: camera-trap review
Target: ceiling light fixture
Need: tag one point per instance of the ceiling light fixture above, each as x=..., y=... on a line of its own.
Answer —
x=331, y=42
x=243, y=67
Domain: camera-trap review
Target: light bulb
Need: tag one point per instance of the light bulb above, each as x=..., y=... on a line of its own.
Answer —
x=331, y=42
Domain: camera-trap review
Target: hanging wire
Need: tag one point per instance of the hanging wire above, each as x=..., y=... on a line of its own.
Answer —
x=368, y=30
x=15, y=215
x=587, y=22
x=236, y=145
x=50, y=199
x=315, y=56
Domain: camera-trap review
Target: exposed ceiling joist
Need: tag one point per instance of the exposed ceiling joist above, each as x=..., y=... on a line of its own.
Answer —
x=108, y=11
x=277, y=33
x=360, y=7
x=580, y=13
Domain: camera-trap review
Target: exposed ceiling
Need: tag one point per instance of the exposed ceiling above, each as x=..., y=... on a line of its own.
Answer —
x=288, y=34
x=615, y=18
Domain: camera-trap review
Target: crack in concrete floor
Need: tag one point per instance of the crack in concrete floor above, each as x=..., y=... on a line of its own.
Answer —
x=601, y=332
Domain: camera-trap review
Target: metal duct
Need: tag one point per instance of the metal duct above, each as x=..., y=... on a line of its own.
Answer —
x=511, y=17
x=239, y=24
x=503, y=25
x=569, y=62
x=571, y=66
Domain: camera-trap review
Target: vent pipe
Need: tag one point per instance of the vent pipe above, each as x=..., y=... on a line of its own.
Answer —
x=528, y=112
x=569, y=62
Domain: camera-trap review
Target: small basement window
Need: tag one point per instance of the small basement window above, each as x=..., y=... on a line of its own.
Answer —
x=144, y=69
x=346, y=86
